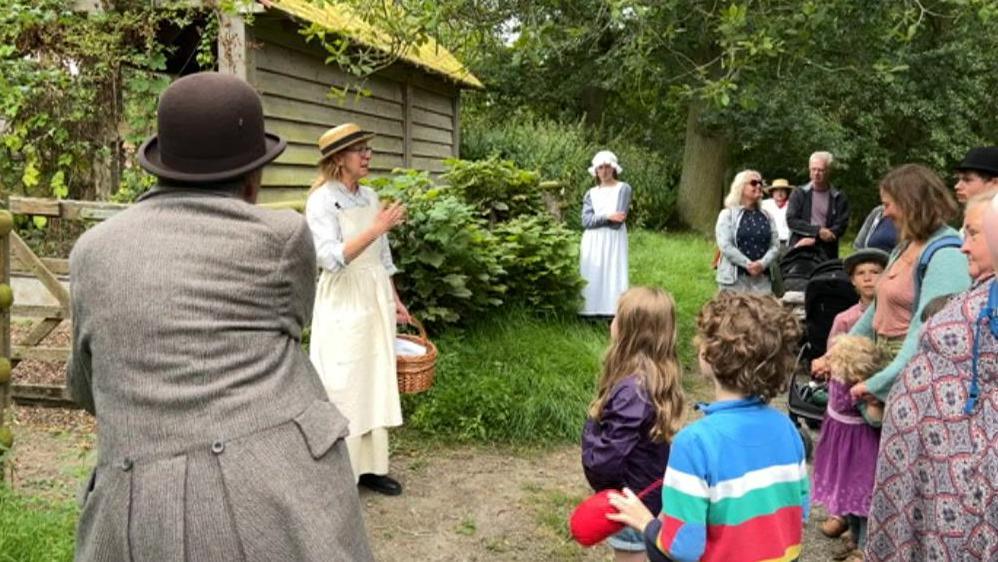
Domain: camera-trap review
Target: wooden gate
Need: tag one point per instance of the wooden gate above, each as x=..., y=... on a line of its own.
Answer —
x=49, y=276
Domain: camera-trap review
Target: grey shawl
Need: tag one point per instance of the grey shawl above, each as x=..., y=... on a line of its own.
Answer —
x=215, y=437
x=591, y=220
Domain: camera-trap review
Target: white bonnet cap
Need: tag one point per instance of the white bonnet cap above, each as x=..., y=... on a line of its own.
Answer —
x=604, y=157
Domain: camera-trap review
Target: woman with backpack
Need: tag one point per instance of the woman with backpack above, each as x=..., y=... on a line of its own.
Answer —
x=926, y=263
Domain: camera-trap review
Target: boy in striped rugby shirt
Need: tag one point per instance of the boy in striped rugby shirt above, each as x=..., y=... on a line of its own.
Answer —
x=736, y=487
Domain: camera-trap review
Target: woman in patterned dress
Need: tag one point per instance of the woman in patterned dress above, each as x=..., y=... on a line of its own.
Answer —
x=936, y=492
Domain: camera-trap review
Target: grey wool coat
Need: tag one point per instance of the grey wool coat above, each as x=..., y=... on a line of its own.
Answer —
x=215, y=437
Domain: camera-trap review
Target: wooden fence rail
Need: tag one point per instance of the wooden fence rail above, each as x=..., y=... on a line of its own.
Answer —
x=52, y=273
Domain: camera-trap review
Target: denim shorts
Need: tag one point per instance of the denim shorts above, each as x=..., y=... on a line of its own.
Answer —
x=627, y=539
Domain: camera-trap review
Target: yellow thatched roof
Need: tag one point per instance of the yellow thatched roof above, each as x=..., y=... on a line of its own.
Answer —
x=340, y=18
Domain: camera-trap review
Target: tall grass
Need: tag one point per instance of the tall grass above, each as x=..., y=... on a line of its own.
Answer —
x=518, y=378
x=33, y=529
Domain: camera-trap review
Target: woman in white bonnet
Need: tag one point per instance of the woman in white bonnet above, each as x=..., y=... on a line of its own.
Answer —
x=604, y=242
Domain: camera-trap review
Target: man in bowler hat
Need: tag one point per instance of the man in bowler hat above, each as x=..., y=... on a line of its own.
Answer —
x=977, y=173
x=215, y=437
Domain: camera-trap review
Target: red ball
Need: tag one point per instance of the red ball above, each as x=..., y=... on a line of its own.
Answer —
x=588, y=522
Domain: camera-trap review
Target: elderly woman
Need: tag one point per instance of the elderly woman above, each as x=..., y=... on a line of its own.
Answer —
x=747, y=237
x=935, y=487
x=356, y=305
x=603, y=254
x=917, y=200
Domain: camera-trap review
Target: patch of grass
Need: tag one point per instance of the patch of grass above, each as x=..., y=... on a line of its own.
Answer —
x=518, y=378
x=680, y=264
x=551, y=509
x=513, y=378
x=34, y=529
x=467, y=527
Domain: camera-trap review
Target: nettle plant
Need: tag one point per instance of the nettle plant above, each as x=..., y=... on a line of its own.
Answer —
x=455, y=265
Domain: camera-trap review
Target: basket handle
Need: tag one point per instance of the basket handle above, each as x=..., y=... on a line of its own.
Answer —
x=419, y=326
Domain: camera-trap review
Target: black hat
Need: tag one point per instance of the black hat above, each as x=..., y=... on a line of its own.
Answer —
x=981, y=158
x=866, y=255
x=210, y=129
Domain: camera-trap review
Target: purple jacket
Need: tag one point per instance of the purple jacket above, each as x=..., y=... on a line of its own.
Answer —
x=617, y=451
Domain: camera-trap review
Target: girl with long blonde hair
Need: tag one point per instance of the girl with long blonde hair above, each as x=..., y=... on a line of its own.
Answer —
x=638, y=406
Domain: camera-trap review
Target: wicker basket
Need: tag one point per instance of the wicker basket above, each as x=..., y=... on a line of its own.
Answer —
x=415, y=372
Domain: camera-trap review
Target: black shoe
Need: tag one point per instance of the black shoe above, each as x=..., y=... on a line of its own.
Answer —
x=381, y=484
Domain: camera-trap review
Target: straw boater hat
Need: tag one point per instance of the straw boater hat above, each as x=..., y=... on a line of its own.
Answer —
x=338, y=138
x=779, y=184
x=604, y=157
x=209, y=129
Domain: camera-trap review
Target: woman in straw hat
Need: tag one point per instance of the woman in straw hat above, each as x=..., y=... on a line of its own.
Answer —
x=356, y=305
x=603, y=254
x=776, y=207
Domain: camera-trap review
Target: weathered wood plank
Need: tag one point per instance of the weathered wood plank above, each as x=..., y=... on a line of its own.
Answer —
x=272, y=194
x=407, y=126
x=432, y=101
x=28, y=257
x=431, y=119
x=434, y=165
x=39, y=331
x=34, y=206
x=307, y=155
x=58, y=266
x=429, y=134
x=303, y=90
x=285, y=175
x=432, y=149
x=37, y=311
x=50, y=354
x=304, y=112
x=46, y=395
x=456, y=119
x=276, y=57
x=308, y=134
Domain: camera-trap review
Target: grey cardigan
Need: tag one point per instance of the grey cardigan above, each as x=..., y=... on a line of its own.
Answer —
x=589, y=217
x=215, y=437
x=725, y=232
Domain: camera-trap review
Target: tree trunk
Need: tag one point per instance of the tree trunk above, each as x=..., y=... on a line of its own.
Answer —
x=705, y=166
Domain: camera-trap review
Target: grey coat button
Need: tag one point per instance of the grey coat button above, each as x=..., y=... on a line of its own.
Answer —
x=126, y=464
x=217, y=447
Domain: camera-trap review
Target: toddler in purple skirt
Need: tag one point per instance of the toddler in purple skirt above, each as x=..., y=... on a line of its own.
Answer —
x=845, y=462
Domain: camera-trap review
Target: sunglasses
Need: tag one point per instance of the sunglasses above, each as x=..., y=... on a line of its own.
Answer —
x=757, y=183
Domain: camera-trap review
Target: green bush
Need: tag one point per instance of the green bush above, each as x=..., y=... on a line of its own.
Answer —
x=497, y=187
x=541, y=260
x=448, y=263
x=562, y=152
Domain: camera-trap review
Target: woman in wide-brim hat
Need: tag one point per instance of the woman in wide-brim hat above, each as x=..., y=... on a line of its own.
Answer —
x=356, y=305
x=603, y=250
x=776, y=206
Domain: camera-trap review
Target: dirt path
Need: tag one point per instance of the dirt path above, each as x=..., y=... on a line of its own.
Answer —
x=460, y=503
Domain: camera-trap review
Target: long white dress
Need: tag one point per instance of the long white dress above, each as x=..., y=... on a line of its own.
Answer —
x=603, y=255
x=353, y=324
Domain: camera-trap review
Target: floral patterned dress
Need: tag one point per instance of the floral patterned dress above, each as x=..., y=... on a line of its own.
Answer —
x=936, y=492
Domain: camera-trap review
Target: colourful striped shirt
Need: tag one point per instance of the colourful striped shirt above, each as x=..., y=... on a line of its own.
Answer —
x=736, y=488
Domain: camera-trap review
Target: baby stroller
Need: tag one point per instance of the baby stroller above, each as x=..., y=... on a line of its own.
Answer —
x=827, y=293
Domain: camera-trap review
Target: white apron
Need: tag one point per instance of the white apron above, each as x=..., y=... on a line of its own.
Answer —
x=603, y=257
x=353, y=333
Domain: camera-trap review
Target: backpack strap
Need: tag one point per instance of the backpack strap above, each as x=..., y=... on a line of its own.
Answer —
x=948, y=241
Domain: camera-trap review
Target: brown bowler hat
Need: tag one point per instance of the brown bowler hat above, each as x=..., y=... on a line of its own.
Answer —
x=210, y=129
x=338, y=138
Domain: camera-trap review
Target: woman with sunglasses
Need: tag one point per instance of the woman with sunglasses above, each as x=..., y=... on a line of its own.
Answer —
x=356, y=304
x=746, y=236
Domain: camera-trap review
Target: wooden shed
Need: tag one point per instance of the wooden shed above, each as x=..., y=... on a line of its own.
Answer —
x=412, y=105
